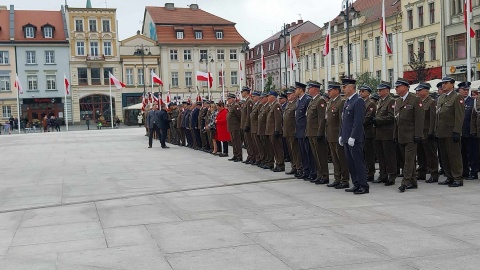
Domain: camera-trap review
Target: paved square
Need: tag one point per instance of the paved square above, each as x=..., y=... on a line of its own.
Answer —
x=99, y=199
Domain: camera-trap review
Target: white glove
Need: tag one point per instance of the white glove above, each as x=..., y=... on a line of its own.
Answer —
x=351, y=141
x=340, y=141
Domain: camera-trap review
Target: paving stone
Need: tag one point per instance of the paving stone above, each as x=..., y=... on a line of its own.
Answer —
x=447, y=262
x=10, y=220
x=60, y=215
x=26, y=264
x=6, y=237
x=128, y=236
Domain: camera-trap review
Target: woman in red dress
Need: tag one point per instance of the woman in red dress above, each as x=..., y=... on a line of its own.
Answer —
x=223, y=136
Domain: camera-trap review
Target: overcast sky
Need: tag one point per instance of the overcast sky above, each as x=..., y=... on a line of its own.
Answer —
x=256, y=19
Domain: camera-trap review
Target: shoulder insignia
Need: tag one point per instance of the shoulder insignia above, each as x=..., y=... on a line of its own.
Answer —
x=461, y=101
x=323, y=105
x=420, y=104
x=278, y=109
x=393, y=106
x=371, y=108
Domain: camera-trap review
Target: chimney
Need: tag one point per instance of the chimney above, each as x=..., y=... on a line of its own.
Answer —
x=299, y=21
x=194, y=6
x=169, y=6
x=3, y=7
x=288, y=25
x=138, y=32
x=293, y=24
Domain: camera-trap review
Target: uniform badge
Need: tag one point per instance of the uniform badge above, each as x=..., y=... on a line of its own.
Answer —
x=461, y=101
x=393, y=106
x=371, y=108
x=322, y=105
x=420, y=104
x=278, y=109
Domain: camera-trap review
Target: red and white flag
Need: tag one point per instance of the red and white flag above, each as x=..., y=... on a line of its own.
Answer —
x=205, y=77
x=326, y=47
x=66, y=83
x=383, y=29
x=144, y=102
x=264, y=74
x=118, y=84
x=168, y=97
x=241, y=71
x=199, y=98
x=221, y=76
x=467, y=16
x=18, y=85
x=156, y=79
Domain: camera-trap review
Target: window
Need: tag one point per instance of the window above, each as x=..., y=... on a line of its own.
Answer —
x=457, y=7
x=378, y=73
x=377, y=46
x=307, y=66
x=273, y=45
x=198, y=34
x=173, y=55
x=322, y=61
x=31, y=57
x=80, y=48
x=94, y=48
x=233, y=77
x=51, y=82
x=4, y=59
x=174, y=79
x=129, y=73
x=421, y=51
x=188, y=79
x=82, y=76
x=431, y=7
x=390, y=74
x=79, y=25
x=314, y=60
x=6, y=111
x=233, y=54
x=340, y=52
x=92, y=25
x=269, y=46
x=48, y=32
x=107, y=47
x=152, y=70
x=420, y=16
x=32, y=82
x=410, y=19
x=106, y=25
x=390, y=40
x=219, y=34
x=4, y=83
x=180, y=34
x=220, y=54
x=203, y=54
x=187, y=55
x=433, y=50
x=350, y=54
x=106, y=75
x=29, y=32
x=410, y=52
x=95, y=76
x=365, y=49
x=456, y=47
x=140, y=76
x=49, y=57
x=333, y=56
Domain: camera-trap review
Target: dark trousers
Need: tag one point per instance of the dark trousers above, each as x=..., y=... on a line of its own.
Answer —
x=408, y=152
x=320, y=156
x=163, y=136
x=308, y=165
x=427, y=158
x=286, y=152
x=250, y=146
x=198, y=138
x=340, y=167
x=188, y=135
x=259, y=146
x=369, y=151
x=204, y=139
x=470, y=155
x=277, y=147
x=222, y=147
x=182, y=136
x=236, y=143
x=356, y=164
x=452, y=158
x=268, y=150
x=387, y=158
x=294, y=150
x=152, y=130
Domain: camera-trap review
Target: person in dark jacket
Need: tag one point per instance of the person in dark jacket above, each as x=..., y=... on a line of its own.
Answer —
x=469, y=142
x=164, y=124
x=153, y=122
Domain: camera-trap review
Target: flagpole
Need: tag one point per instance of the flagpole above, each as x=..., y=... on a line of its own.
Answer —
x=223, y=81
x=291, y=62
x=469, y=43
x=66, y=107
x=241, y=76
x=18, y=109
x=263, y=71
x=384, y=47
x=111, y=104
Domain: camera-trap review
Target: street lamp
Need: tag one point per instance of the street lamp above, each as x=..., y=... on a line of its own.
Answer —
x=141, y=50
x=346, y=14
x=284, y=34
x=202, y=57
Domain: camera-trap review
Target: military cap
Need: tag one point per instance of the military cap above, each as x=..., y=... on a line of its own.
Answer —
x=272, y=93
x=256, y=93
x=384, y=85
x=220, y=103
x=464, y=85
x=314, y=84
x=439, y=84
x=245, y=88
x=366, y=88
x=346, y=81
x=402, y=81
x=282, y=95
x=189, y=103
x=300, y=85
x=423, y=85
x=325, y=95
x=171, y=104
x=199, y=103
x=448, y=79
x=333, y=85
x=231, y=96
x=290, y=91
x=184, y=102
x=264, y=95
x=375, y=97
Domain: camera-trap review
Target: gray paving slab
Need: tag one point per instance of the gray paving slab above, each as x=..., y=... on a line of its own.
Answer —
x=128, y=236
x=60, y=215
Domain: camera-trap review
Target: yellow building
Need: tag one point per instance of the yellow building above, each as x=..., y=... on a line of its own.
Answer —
x=93, y=55
x=365, y=45
x=8, y=92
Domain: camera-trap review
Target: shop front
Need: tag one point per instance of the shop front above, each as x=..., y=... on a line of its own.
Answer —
x=96, y=106
x=37, y=108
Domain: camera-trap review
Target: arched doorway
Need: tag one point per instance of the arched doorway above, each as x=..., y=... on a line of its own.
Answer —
x=95, y=106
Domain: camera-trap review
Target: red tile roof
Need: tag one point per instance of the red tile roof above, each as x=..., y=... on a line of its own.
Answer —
x=167, y=35
x=5, y=25
x=185, y=16
x=39, y=18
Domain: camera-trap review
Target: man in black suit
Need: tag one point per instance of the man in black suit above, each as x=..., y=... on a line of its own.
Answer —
x=164, y=125
x=153, y=122
x=197, y=139
x=352, y=137
x=300, y=128
x=469, y=142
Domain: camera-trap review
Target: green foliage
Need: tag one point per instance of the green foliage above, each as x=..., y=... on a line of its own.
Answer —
x=269, y=85
x=368, y=79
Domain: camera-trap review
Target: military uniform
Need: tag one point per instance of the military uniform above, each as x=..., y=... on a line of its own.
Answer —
x=181, y=130
x=308, y=164
x=258, y=158
x=369, y=148
x=201, y=127
x=267, y=157
x=273, y=130
x=247, y=129
x=174, y=131
x=316, y=134
x=233, y=124
x=334, y=120
x=409, y=115
x=469, y=142
x=448, y=127
x=289, y=135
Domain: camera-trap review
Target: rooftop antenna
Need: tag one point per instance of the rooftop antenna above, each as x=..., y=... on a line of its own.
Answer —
x=300, y=15
x=106, y=4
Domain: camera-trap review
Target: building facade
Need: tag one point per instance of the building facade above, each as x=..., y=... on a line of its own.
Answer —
x=192, y=40
x=93, y=55
x=8, y=93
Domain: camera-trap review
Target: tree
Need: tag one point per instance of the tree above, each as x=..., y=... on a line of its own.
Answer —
x=269, y=85
x=368, y=79
x=421, y=72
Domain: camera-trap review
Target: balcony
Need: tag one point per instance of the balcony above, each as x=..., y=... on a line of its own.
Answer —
x=95, y=57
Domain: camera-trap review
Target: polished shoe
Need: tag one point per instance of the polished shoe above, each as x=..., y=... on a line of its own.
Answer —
x=446, y=182
x=441, y=171
x=260, y=164
x=334, y=184
x=402, y=188
x=411, y=186
x=291, y=172
x=361, y=190
x=312, y=178
x=223, y=155
x=267, y=167
x=239, y=159
x=370, y=179
x=306, y=177
x=297, y=175
x=287, y=160
x=253, y=163
x=343, y=186
x=149, y=147
x=432, y=180
x=422, y=177
x=322, y=181
x=472, y=177
x=456, y=184
x=246, y=161
x=352, y=189
x=278, y=169
x=232, y=159
x=379, y=180
x=165, y=147
x=389, y=183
